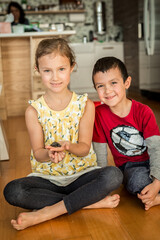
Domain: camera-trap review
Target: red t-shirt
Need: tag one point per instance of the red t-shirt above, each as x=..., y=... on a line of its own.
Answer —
x=125, y=136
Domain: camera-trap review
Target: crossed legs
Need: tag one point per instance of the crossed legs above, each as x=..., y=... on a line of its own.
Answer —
x=88, y=191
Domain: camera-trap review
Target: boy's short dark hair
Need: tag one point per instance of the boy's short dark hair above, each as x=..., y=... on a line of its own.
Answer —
x=106, y=63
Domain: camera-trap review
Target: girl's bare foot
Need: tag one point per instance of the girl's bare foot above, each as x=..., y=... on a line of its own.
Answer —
x=28, y=219
x=107, y=202
x=155, y=202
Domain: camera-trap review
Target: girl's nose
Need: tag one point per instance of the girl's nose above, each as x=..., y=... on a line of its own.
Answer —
x=54, y=76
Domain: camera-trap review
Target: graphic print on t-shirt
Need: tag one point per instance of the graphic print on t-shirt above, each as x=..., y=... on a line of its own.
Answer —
x=128, y=140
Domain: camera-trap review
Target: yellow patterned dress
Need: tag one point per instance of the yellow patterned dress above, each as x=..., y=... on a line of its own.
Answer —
x=62, y=126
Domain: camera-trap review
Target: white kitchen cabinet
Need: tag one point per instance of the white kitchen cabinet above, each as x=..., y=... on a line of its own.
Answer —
x=86, y=56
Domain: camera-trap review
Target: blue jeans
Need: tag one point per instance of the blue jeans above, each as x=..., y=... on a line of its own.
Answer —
x=136, y=176
x=36, y=192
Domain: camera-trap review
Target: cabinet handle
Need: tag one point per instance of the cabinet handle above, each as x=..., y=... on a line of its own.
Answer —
x=106, y=48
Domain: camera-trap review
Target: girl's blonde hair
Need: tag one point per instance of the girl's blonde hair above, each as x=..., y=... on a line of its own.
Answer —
x=57, y=45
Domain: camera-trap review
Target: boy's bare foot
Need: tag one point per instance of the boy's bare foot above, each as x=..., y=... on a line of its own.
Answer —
x=154, y=203
x=107, y=202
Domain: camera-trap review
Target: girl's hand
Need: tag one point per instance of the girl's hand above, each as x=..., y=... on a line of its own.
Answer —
x=54, y=155
x=57, y=154
x=65, y=145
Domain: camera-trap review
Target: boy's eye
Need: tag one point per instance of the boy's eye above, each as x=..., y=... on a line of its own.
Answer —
x=61, y=69
x=114, y=83
x=46, y=70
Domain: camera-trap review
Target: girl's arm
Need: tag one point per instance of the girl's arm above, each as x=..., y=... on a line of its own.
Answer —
x=36, y=135
x=82, y=148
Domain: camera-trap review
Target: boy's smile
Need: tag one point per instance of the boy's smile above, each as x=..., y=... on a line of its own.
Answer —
x=111, y=88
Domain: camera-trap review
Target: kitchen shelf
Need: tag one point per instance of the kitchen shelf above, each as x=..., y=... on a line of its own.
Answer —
x=51, y=12
x=55, y=11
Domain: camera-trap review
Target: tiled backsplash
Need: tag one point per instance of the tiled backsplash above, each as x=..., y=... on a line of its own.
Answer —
x=82, y=28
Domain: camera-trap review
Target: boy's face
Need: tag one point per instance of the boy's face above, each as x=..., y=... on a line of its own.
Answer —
x=111, y=88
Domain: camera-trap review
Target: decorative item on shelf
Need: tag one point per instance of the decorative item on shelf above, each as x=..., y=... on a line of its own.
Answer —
x=46, y=7
x=71, y=4
x=24, y=4
x=85, y=40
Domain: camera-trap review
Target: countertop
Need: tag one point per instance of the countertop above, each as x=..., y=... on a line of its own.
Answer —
x=36, y=34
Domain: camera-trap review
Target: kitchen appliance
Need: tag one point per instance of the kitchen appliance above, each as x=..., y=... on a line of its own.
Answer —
x=100, y=17
x=149, y=47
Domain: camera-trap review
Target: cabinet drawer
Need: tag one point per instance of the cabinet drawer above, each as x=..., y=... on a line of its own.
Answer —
x=106, y=51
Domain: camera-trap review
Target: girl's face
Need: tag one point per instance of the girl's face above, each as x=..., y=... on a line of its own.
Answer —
x=55, y=71
x=110, y=87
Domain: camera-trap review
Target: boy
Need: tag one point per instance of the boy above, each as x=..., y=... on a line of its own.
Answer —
x=130, y=129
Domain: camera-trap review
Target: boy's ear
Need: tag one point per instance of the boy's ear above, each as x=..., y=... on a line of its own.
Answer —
x=128, y=82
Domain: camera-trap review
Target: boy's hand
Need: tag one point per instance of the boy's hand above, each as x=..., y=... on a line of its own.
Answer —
x=149, y=193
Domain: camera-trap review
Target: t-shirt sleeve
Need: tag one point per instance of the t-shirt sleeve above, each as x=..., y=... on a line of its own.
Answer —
x=150, y=127
x=98, y=132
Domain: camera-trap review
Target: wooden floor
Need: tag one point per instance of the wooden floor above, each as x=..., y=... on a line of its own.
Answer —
x=129, y=221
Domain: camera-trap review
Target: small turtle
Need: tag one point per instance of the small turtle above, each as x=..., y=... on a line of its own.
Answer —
x=55, y=144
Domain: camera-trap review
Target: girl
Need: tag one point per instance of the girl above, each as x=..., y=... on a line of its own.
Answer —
x=66, y=178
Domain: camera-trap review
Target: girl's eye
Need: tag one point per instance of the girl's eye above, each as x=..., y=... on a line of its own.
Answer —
x=100, y=86
x=62, y=69
x=46, y=70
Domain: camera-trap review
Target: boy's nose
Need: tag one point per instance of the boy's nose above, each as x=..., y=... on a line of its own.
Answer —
x=107, y=89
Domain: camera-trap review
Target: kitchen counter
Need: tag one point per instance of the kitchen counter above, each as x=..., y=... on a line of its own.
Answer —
x=37, y=34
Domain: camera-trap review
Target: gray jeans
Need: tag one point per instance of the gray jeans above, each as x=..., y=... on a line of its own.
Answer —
x=36, y=192
x=136, y=176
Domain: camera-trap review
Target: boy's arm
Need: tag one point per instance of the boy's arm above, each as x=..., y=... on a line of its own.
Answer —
x=154, y=154
x=101, y=152
x=149, y=193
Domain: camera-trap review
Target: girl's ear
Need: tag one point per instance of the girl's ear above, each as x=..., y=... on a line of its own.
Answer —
x=72, y=67
x=128, y=82
x=36, y=69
